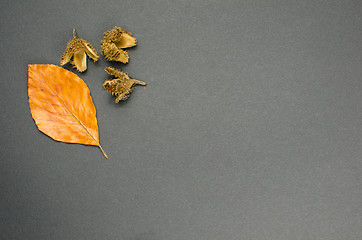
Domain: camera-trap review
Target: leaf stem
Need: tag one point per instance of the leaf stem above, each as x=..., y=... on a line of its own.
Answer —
x=104, y=153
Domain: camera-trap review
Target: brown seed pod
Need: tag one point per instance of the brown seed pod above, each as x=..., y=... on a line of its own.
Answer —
x=122, y=85
x=113, y=43
x=76, y=52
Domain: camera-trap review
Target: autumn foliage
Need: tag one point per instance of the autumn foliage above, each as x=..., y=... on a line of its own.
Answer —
x=61, y=105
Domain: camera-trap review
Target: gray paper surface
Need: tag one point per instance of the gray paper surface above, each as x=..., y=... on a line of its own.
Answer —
x=249, y=127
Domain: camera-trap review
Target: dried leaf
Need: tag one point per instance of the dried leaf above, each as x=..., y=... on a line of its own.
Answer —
x=61, y=105
x=76, y=51
x=122, y=85
x=113, y=43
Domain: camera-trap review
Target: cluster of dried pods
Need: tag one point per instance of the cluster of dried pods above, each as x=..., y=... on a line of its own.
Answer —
x=112, y=47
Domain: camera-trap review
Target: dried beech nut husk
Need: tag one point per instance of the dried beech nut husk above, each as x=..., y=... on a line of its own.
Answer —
x=77, y=51
x=122, y=85
x=113, y=43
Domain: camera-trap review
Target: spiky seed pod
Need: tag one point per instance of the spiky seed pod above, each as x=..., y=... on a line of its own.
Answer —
x=122, y=85
x=76, y=52
x=113, y=43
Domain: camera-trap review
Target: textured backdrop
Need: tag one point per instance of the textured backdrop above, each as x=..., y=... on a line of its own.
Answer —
x=250, y=126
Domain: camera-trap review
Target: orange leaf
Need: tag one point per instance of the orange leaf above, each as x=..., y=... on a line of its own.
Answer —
x=61, y=105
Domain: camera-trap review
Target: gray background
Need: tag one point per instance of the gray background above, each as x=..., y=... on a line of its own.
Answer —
x=249, y=128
